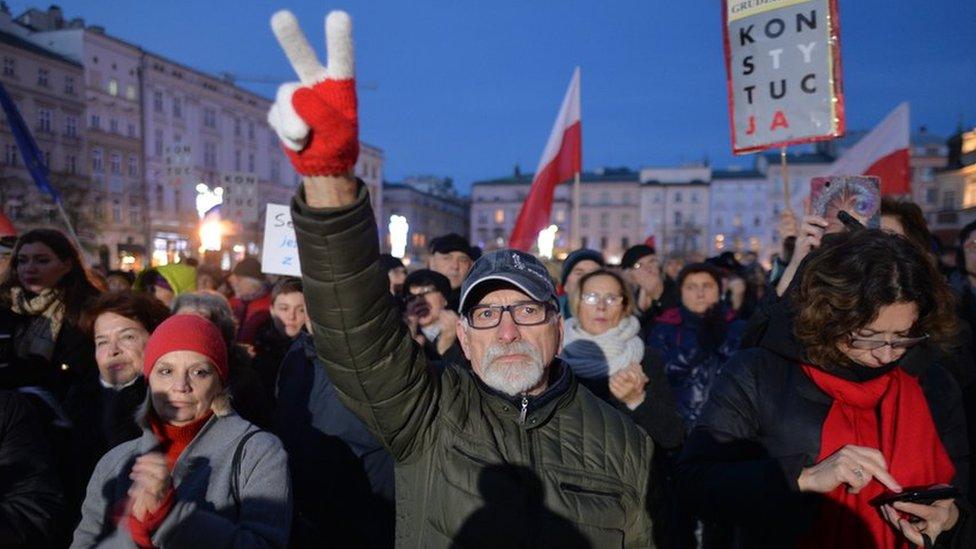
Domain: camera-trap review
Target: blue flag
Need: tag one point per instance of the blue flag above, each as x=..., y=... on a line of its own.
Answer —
x=33, y=158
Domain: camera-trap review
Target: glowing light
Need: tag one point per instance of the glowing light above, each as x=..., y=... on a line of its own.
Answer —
x=398, y=235
x=160, y=257
x=211, y=234
x=207, y=198
x=547, y=237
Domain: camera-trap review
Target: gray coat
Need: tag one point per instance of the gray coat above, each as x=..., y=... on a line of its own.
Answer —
x=205, y=514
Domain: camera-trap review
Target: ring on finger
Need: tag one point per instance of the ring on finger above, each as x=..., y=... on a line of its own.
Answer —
x=859, y=473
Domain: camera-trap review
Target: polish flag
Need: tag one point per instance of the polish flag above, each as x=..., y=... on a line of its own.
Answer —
x=884, y=153
x=562, y=158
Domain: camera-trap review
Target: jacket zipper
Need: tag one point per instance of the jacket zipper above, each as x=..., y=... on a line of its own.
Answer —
x=525, y=408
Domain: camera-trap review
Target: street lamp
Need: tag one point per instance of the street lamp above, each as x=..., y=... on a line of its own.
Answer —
x=398, y=235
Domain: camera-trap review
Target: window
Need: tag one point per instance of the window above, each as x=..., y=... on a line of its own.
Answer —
x=694, y=197
x=603, y=243
x=10, y=155
x=677, y=196
x=177, y=107
x=718, y=221
x=113, y=125
x=584, y=242
x=69, y=85
x=624, y=243
x=42, y=77
x=949, y=200
x=209, y=118
x=47, y=158
x=604, y=220
x=70, y=164
x=133, y=166
x=625, y=222
x=250, y=130
x=237, y=127
x=210, y=155
x=113, y=87
x=96, y=160
x=116, y=211
x=499, y=216
x=931, y=195
x=70, y=126
x=131, y=130
x=250, y=163
x=44, y=120
x=678, y=219
x=96, y=122
x=158, y=143
x=134, y=217
x=158, y=101
x=756, y=221
x=130, y=92
x=604, y=197
x=99, y=208
x=237, y=160
x=115, y=163
x=160, y=198
x=176, y=200
x=9, y=66
x=584, y=220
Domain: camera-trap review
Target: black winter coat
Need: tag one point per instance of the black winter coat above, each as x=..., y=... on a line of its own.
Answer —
x=342, y=476
x=762, y=426
x=30, y=498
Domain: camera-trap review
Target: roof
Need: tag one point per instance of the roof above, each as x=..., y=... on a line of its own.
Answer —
x=737, y=174
x=800, y=158
x=20, y=43
x=616, y=175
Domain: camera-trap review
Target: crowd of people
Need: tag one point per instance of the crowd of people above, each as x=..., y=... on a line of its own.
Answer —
x=828, y=400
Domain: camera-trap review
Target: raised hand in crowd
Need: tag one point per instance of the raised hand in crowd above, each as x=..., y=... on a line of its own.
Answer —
x=627, y=385
x=811, y=232
x=151, y=482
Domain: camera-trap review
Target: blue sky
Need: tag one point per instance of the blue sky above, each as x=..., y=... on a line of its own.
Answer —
x=469, y=89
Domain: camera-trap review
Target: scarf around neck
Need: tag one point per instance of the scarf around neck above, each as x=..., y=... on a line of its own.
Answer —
x=890, y=413
x=46, y=311
x=596, y=356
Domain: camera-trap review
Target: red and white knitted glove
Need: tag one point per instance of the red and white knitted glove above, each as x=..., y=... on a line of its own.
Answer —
x=317, y=119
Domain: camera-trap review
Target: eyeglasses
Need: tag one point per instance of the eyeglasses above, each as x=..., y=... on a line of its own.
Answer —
x=895, y=344
x=593, y=298
x=524, y=313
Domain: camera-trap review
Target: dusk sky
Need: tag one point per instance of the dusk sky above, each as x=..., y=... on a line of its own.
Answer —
x=470, y=89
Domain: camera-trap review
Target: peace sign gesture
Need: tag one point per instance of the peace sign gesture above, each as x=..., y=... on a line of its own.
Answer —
x=316, y=118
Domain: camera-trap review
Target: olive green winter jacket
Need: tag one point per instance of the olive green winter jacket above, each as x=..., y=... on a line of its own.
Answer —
x=475, y=468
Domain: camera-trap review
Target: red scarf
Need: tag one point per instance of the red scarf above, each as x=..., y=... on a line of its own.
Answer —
x=889, y=413
x=172, y=441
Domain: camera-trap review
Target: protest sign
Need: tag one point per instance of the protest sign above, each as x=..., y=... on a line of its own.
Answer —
x=782, y=60
x=279, y=254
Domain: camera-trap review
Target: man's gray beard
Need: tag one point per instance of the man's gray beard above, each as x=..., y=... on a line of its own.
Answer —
x=512, y=378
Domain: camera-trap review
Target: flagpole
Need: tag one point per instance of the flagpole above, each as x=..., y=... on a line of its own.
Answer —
x=71, y=229
x=785, y=171
x=576, y=211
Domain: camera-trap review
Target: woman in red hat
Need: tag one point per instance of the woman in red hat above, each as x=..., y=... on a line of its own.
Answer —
x=199, y=474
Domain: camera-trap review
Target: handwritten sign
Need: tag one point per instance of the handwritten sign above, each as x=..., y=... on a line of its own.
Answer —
x=782, y=58
x=279, y=254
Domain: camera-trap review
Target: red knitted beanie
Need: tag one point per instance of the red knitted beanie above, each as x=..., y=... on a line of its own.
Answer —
x=187, y=333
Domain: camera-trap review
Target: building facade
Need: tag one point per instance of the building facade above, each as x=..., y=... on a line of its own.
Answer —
x=428, y=213
x=739, y=212
x=674, y=208
x=48, y=90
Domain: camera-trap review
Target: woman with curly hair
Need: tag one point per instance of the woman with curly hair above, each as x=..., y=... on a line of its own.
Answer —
x=802, y=432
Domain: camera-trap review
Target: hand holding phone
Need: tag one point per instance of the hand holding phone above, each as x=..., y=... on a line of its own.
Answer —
x=858, y=196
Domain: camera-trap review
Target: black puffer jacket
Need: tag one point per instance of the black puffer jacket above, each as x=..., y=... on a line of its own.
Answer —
x=762, y=426
x=30, y=498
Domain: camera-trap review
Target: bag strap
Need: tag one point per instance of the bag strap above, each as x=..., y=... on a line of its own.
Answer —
x=235, y=474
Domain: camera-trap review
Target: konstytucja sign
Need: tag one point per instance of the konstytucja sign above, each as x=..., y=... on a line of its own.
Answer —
x=782, y=59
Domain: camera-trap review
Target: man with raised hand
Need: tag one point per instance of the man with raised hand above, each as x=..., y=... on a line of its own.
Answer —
x=508, y=452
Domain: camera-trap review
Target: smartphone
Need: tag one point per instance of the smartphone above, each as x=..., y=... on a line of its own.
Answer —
x=858, y=195
x=926, y=495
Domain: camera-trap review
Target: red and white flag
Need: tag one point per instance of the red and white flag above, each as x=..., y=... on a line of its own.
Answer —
x=562, y=158
x=884, y=153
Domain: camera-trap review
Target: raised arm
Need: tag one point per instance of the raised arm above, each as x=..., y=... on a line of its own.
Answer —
x=359, y=335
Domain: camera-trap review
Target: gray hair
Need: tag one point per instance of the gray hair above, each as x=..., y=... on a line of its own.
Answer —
x=212, y=306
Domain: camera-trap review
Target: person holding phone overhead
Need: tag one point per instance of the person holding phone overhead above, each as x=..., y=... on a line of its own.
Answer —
x=801, y=433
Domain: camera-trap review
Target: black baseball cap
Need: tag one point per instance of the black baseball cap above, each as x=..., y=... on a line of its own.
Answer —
x=514, y=267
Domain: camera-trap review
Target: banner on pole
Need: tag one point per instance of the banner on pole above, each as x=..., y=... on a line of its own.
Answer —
x=279, y=253
x=782, y=60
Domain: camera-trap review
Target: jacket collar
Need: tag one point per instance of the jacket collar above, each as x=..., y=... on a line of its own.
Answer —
x=538, y=409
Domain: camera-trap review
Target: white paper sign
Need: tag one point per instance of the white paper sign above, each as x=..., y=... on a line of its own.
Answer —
x=279, y=255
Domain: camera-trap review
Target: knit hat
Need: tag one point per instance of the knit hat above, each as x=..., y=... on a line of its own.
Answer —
x=427, y=277
x=187, y=333
x=634, y=254
x=451, y=242
x=582, y=254
x=249, y=267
